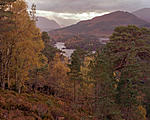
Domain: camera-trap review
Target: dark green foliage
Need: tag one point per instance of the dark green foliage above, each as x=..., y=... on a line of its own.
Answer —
x=129, y=52
x=129, y=87
x=45, y=37
x=75, y=74
x=49, y=51
x=121, y=73
x=105, y=92
x=77, y=59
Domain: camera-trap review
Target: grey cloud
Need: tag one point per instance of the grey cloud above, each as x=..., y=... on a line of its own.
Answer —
x=65, y=22
x=76, y=6
x=80, y=6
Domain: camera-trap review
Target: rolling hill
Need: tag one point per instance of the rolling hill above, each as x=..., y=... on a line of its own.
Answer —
x=46, y=25
x=99, y=26
x=143, y=14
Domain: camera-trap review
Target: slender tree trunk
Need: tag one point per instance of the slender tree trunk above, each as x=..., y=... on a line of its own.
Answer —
x=95, y=107
x=74, y=91
x=0, y=69
x=4, y=76
x=16, y=80
x=1, y=74
x=8, y=66
x=19, y=86
x=8, y=79
x=36, y=80
x=19, y=89
x=3, y=85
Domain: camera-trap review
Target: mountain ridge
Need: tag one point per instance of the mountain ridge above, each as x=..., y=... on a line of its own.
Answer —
x=143, y=14
x=99, y=26
x=47, y=25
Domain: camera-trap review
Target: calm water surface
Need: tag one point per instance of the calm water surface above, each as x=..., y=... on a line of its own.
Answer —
x=66, y=52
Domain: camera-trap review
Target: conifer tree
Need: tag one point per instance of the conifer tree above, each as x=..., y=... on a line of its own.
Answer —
x=49, y=51
x=129, y=52
x=105, y=91
x=75, y=73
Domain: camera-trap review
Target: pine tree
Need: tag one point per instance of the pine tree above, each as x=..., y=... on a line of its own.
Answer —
x=105, y=91
x=128, y=51
x=75, y=73
x=49, y=51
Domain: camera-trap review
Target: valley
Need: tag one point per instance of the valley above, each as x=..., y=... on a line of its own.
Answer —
x=92, y=34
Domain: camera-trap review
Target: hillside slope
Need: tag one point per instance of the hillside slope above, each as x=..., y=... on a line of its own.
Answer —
x=47, y=25
x=33, y=106
x=99, y=26
x=143, y=14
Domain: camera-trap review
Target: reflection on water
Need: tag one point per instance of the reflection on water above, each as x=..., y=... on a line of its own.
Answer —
x=66, y=52
x=103, y=40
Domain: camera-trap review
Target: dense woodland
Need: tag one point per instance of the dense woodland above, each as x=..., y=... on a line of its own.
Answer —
x=38, y=83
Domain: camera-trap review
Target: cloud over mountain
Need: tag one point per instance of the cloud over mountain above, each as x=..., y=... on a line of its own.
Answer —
x=77, y=6
x=77, y=10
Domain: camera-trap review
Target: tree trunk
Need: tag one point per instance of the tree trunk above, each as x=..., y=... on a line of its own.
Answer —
x=74, y=91
x=19, y=89
x=3, y=85
x=8, y=79
x=16, y=80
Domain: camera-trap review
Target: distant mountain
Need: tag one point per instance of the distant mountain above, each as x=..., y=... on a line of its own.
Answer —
x=46, y=25
x=143, y=14
x=99, y=26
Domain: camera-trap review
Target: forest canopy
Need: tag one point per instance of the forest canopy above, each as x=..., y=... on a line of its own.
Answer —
x=38, y=82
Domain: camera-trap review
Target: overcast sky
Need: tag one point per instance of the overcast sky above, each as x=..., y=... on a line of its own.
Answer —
x=67, y=12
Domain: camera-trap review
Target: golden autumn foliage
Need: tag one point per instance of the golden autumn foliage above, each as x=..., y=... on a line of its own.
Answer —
x=88, y=87
x=58, y=74
x=28, y=44
x=87, y=83
x=21, y=45
x=142, y=112
x=59, y=70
